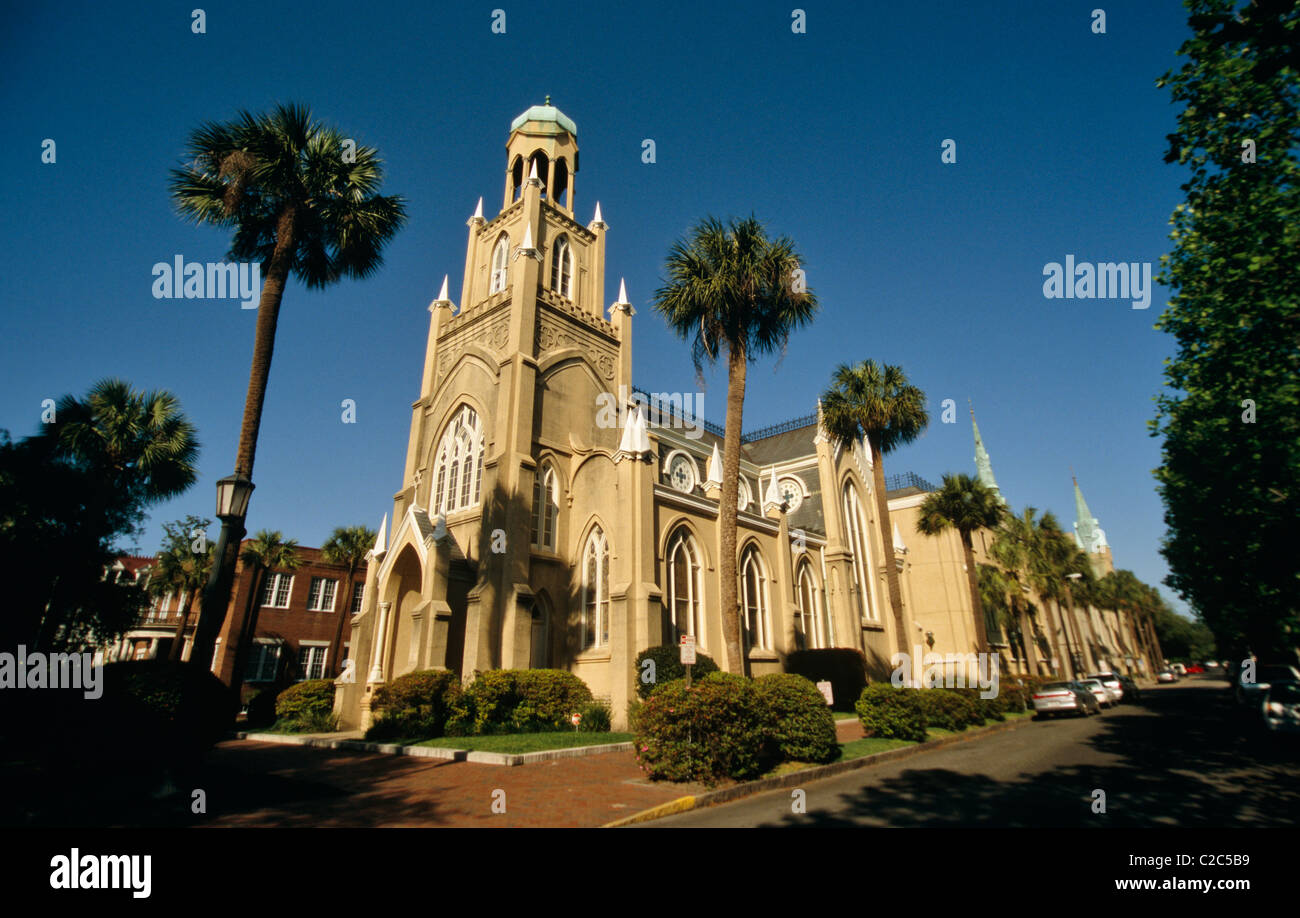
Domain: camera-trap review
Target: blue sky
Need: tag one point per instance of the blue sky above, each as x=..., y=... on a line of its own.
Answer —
x=831, y=137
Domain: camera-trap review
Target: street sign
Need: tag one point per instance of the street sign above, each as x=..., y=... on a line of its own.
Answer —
x=688, y=650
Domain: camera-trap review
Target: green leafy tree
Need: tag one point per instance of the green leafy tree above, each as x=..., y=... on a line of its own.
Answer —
x=732, y=289
x=963, y=503
x=348, y=546
x=182, y=566
x=876, y=401
x=1230, y=410
x=266, y=552
x=301, y=199
x=71, y=491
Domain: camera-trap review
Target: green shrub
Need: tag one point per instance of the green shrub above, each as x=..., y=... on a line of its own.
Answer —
x=668, y=666
x=596, y=718
x=261, y=707
x=307, y=706
x=987, y=708
x=892, y=713
x=799, y=723
x=414, y=706
x=713, y=730
x=949, y=709
x=518, y=701
x=843, y=667
x=150, y=715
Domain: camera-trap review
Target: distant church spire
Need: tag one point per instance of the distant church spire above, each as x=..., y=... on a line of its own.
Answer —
x=1087, y=531
x=983, y=465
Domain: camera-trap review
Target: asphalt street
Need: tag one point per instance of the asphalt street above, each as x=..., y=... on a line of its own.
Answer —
x=1186, y=756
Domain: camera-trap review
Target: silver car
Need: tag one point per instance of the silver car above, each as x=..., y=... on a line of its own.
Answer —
x=1098, y=690
x=1064, y=698
x=1281, y=707
x=1114, y=687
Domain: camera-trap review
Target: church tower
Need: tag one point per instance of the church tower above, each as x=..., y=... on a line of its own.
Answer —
x=477, y=572
x=1089, y=535
x=984, y=465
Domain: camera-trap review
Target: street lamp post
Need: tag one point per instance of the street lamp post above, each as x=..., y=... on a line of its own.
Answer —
x=233, y=493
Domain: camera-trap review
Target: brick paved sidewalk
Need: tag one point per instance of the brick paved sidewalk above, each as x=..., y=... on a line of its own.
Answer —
x=264, y=784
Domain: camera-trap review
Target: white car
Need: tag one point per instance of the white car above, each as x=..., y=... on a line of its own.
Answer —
x=1110, y=681
x=1098, y=690
x=1166, y=675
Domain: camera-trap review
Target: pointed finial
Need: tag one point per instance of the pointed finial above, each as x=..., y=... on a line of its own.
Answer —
x=532, y=173
x=478, y=211
x=622, y=293
x=598, y=219
x=442, y=294
x=381, y=540
x=548, y=98
x=528, y=227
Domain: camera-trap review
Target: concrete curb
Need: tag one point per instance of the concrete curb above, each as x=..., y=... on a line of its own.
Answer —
x=435, y=752
x=797, y=778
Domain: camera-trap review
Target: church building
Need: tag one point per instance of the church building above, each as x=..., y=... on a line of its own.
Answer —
x=530, y=531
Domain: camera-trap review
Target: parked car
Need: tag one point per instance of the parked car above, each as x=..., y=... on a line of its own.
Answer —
x=1098, y=690
x=1064, y=698
x=1281, y=707
x=1166, y=675
x=1111, y=682
x=1179, y=668
x=1131, y=691
x=1212, y=664
x=1195, y=668
x=1252, y=693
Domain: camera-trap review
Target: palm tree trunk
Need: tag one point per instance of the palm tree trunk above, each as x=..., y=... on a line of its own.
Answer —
x=727, y=510
x=268, y=316
x=887, y=546
x=343, y=609
x=977, y=604
x=1054, y=633
x=248, y=631
x=178, y=639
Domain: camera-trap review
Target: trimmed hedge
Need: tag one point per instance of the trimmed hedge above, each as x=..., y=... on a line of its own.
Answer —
x=416, y=705
x=518, y=701
x=596, y=718
x=843, y=667
x=799, y=723
x=710, y=731
x=668, y=667
x=949, y=709
x=892, y=713
x=987, y=708
x=307, y=706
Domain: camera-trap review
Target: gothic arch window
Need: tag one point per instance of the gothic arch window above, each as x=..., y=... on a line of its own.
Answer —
x=562, y=268
x=685, y=587
x=855, y=525
x=595, y=590
x=754, y=600
x=517, y=178
x=546, y=507
x=500, y=264
x=561, y=195
x=458, y=464
x=816, y=629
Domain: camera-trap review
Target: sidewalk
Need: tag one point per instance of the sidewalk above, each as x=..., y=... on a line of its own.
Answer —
x=264, y=784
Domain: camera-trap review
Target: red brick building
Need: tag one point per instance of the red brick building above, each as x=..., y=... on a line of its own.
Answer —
x=298, y=615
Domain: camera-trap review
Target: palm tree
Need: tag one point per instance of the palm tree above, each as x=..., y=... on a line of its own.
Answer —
x=348, y=546
x=266, y=552
x=137, y=445
x=179, y=568
x=730, y=287
x=1012, y=550
x=1055, y=565
x=876, y=401
x=965, y=504
x=301, y=200
x=999, y=594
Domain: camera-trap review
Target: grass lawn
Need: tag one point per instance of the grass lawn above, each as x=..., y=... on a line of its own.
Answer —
x=869, y=746
x=518, y=743
x=845, y=715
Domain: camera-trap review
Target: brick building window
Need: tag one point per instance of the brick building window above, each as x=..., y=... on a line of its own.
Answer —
x=321, y=596
x=358, y=591
x=311, y=660
x=276, y=592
